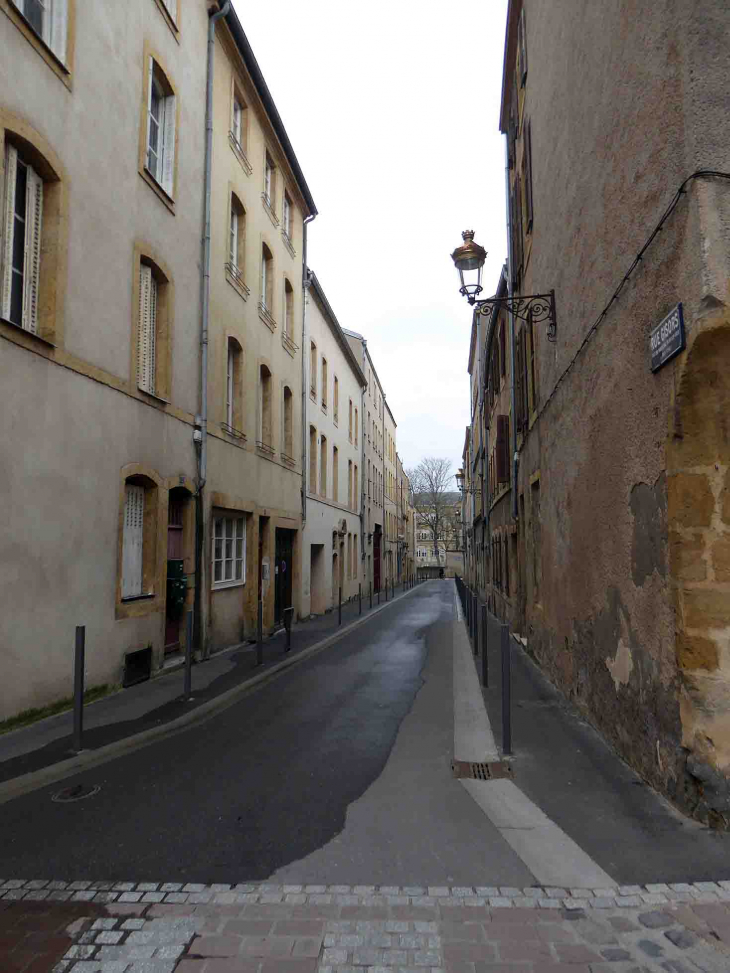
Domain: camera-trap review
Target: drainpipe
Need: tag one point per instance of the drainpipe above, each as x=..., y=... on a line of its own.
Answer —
x=510, y=291
x=305, y=287
x=200, y=435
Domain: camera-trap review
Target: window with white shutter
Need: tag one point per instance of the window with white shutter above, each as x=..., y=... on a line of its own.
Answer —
x=229, y=551
x=132, y=541
x=160, y=157
x=49, y=19
x=21, y=243
x=147, y=333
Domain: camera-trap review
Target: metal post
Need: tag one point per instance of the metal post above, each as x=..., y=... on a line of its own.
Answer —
x=359, y=599
x=485, y=659
x=371, y=594
x=339, y=607
x=260, y=635
x=188, y=687
x=79, y=654
x=506, y=691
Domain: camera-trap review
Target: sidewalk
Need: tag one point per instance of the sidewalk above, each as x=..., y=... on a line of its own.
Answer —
x=158, y=702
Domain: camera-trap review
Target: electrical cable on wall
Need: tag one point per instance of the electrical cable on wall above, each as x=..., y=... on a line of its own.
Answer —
x=700, y=173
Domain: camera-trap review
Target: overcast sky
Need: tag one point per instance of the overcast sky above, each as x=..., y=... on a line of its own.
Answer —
x=393, y=111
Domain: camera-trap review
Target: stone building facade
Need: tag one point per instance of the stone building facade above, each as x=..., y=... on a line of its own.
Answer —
x=612, y=521
x=332, y=562
x=110, y=521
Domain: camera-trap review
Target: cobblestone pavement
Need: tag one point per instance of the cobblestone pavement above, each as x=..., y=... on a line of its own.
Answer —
x=84, y=927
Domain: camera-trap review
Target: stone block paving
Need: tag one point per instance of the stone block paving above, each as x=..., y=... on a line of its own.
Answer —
x=104, y=927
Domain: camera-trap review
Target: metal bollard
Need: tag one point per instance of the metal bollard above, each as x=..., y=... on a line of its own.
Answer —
x=188, y=686
x=339, y=607
x=79, y=654
x=506, y=690
x=359, y=599
x=260, y=635
x=288, y=616
x=485, y=659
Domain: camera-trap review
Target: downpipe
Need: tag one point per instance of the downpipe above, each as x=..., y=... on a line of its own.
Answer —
x=200, y=434
x=510, y=291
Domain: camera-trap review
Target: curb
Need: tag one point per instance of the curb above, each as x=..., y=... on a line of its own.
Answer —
x=25, y=784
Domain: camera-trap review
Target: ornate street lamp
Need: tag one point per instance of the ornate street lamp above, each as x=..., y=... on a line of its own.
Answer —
x=469, y=260
x=459, y=477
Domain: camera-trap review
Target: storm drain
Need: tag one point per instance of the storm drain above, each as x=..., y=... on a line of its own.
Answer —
x=485, y=771
x=76, y=793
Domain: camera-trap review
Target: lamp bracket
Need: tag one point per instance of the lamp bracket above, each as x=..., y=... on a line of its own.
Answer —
x=539, y=307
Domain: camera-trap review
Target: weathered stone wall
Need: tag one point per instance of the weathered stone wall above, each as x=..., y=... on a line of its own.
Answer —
x=632, y=615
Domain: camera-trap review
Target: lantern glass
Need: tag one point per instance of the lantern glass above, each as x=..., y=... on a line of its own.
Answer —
x=469, y=260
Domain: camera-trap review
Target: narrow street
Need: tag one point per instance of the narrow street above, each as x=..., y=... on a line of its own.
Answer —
x=339, y=770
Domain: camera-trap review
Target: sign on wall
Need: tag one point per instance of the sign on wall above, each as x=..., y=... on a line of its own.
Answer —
x=667, y=338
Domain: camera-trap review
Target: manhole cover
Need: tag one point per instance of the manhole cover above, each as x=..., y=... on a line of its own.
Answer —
x=76, y=793
x=481, y=771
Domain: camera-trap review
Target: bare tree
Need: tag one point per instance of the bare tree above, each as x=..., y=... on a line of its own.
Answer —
x=430, y=482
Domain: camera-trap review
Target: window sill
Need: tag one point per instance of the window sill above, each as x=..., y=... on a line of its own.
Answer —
x=266, y=203
x=33, y=335
x=240, y=154
x=153, y=395
x=291, y=346
x=267, y=317
x=324, y=408
x=289, y=460
x=287, y=243
x=174, y=29
x=222, y=585
x=235, y=279
x=36, y=41
x=233, y=432
x=147, y=597
x=157, y=189
x=265, y=448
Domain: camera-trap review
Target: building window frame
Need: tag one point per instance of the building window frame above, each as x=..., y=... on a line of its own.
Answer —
x=159, y=129
x=53, y=37
x=228, y=549
x=153, y=326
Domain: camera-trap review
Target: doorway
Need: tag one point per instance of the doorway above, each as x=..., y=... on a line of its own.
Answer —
x=377, y=537
x=177, y=582
x=284, y=542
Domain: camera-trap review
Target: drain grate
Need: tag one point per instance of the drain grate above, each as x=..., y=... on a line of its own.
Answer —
x=483, y=771
x=76, y=793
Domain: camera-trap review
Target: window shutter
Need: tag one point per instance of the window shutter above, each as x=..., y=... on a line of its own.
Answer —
x=234, y=236
x=502, y=451
x=33, y=222
x=522, y=43
x=11, y=172
x=59, y=19
x=147, y=329
x=523, y=380
x=172, y=8
x=132, y=541
x=168, y=151
x=503, y=348
x=150, y=73
x=528, y=173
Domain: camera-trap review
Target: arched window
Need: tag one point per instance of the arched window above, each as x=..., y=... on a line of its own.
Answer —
x=288, y=423
x=288, y=309
x=266, y=436
x=335, y=474
x=313, y=370
x=234, y=360
x=139, y=538
x=236, y=237
x=161, y=111
x=312, y=459
x=323, y=466
x=267, y=279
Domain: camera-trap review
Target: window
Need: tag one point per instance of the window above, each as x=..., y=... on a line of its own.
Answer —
x=313, y=370
x=236, y=236
x=288, y=309
x=160, y=154
x=171, y=7
x=356, y=425
x=349, y=483
x=239, y=120
x=147, y=335
x=266, y=303
x=323, y=467
x=355, y=490
x=287, y=214
x=349, y=423
x=336, y=400
x=521, y=50
x=268, y=196
x=229, y=550
x=49, y=20
x=335, y=474
x=288, y=423
x=324, y=384
x=133, y=541
x=233, y=387
x=312, y=459
x=527, y=174
x=21, y=256
x=349, y=556
x=266, y=437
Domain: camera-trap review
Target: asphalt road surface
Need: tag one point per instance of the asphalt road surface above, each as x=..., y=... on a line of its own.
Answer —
x=268, y=781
